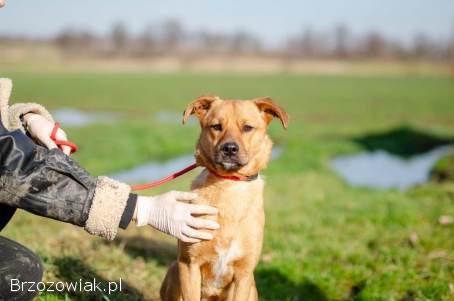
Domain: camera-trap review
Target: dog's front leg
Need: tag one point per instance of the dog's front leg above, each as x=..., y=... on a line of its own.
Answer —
x=190, y=281
x=243, y=285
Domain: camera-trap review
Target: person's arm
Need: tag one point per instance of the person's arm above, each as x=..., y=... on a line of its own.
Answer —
x=49, y=183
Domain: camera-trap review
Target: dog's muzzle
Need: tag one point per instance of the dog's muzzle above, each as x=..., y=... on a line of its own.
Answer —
x=229, y=156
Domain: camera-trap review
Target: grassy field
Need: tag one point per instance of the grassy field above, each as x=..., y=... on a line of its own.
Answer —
x=324, y=240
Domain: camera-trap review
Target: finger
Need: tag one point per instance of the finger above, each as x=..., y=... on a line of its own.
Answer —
x=61, y=135
x=188, y=231
x=48, y=143
x=66, y=149
x=202, y=209
x=187, y=239
x=184, y=196
x=200, y=223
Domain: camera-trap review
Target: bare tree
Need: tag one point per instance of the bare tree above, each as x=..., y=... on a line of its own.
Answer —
x=173, y=34
x=374, y=45
x=119, y=37
x=213, y=42
x=75, y=41
x=64, y=39
x=243, y=42
x=209, y=41
x=342, y=40
x=309, y=43
x=422, y=46
x=398, y=50
x=146, y=42
x=314, y=44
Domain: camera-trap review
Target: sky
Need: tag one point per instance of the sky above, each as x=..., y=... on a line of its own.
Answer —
x=273, y=21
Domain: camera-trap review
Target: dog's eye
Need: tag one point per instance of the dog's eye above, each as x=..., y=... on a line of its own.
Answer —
x=247, y=128
x=216, y=127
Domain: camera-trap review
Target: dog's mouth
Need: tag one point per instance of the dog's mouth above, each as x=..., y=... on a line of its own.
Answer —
x=229, y=164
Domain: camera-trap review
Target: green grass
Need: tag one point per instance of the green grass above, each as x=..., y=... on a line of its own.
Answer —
x=324, y=240
x=444, y=169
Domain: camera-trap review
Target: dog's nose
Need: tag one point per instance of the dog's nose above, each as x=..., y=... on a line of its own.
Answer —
x=230, y=148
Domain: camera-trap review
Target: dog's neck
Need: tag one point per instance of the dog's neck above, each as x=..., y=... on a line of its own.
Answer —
x=232, y=198
x=208, y=179
x=233, y=178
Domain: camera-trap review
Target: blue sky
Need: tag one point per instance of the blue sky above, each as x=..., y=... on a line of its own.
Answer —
x=271, y=20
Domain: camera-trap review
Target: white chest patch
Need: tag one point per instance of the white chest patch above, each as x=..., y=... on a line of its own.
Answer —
x=225, y=257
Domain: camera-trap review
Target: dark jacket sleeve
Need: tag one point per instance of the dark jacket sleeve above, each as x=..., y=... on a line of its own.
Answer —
x=51, y=184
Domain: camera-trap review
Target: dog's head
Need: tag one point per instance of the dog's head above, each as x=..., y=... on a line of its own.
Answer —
x=233, y=140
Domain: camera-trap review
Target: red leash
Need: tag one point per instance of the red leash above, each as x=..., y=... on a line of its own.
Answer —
x=53, y=136
x=73, y=147
x=155, y=183
x=164, y=180
x=186, y=170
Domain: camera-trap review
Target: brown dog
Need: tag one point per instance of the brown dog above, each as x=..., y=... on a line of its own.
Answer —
x=233, y=147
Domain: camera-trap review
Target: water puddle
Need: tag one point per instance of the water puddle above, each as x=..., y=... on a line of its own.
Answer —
x=383, y=170
x=75, y=118
x=172, y=118
x=153, y=170
x=156, y=170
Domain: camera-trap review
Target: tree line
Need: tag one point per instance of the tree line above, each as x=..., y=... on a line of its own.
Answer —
x=171, y=38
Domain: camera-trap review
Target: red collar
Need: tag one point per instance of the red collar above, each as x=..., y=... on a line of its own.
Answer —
x=234, y=178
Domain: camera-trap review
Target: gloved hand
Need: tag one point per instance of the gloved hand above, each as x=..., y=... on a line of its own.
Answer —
x=166, y=214
x=40, y=129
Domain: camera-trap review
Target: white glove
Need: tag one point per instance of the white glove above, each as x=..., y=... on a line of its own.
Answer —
x=167, y=215
x=40, y=129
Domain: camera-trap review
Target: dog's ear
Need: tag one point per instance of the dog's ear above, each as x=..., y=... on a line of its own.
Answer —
x=270, y=109
x=199, y=106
